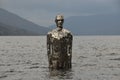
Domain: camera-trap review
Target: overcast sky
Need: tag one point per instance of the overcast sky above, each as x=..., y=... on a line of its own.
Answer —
x=43, y=12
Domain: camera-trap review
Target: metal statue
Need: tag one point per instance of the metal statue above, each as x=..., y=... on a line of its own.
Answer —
x=59, y=46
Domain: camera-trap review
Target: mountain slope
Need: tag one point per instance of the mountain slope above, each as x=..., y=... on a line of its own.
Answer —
x=6, y=30
x=15, y=22
x=98, y=24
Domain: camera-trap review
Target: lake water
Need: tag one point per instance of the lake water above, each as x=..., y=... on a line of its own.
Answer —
x=94, y=58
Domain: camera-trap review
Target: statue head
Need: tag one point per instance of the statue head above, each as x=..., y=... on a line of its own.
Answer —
x=59, y=21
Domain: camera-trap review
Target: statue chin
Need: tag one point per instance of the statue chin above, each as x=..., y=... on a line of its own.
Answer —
x=59, y=24
x=59, y=28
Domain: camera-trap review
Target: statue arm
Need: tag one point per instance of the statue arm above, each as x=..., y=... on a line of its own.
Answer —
x=70, y=45
x=48, y=44
x=69, y=51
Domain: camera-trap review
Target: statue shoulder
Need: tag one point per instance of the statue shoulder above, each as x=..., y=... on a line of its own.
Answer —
x=67, y=31
x=52, y=32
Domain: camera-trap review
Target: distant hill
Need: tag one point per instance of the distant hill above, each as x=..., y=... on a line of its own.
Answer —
x=12, y=24
x=6, y=30
x=93, y=25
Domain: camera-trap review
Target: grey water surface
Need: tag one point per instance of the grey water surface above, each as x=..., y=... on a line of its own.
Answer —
x=93, y=58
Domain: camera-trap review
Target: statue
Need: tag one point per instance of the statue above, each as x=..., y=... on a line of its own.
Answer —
x=59, y=46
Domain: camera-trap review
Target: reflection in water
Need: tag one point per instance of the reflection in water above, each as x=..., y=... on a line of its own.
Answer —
x=61, y=74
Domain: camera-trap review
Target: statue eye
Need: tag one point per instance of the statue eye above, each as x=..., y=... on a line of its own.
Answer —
x=60, y=20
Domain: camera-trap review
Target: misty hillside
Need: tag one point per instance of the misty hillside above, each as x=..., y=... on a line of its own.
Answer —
x=6, y=30
x=12, y=24
x=93, y=25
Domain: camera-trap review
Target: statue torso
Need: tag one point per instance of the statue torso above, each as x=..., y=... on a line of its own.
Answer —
x=59, y=34
x=59, y=40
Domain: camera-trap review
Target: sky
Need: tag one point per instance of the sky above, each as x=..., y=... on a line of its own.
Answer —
x=43, y=12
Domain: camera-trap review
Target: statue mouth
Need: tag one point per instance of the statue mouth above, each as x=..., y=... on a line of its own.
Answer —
x=59, y=25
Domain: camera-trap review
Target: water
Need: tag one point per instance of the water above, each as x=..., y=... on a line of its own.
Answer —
x=94, y=58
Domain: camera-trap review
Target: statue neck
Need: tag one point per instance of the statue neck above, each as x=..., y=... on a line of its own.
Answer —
x=59, y=28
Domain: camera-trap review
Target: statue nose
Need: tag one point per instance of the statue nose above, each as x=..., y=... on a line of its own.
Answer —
x=59, y=21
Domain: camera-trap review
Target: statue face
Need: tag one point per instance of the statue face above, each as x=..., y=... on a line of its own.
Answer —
x=59, y=21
